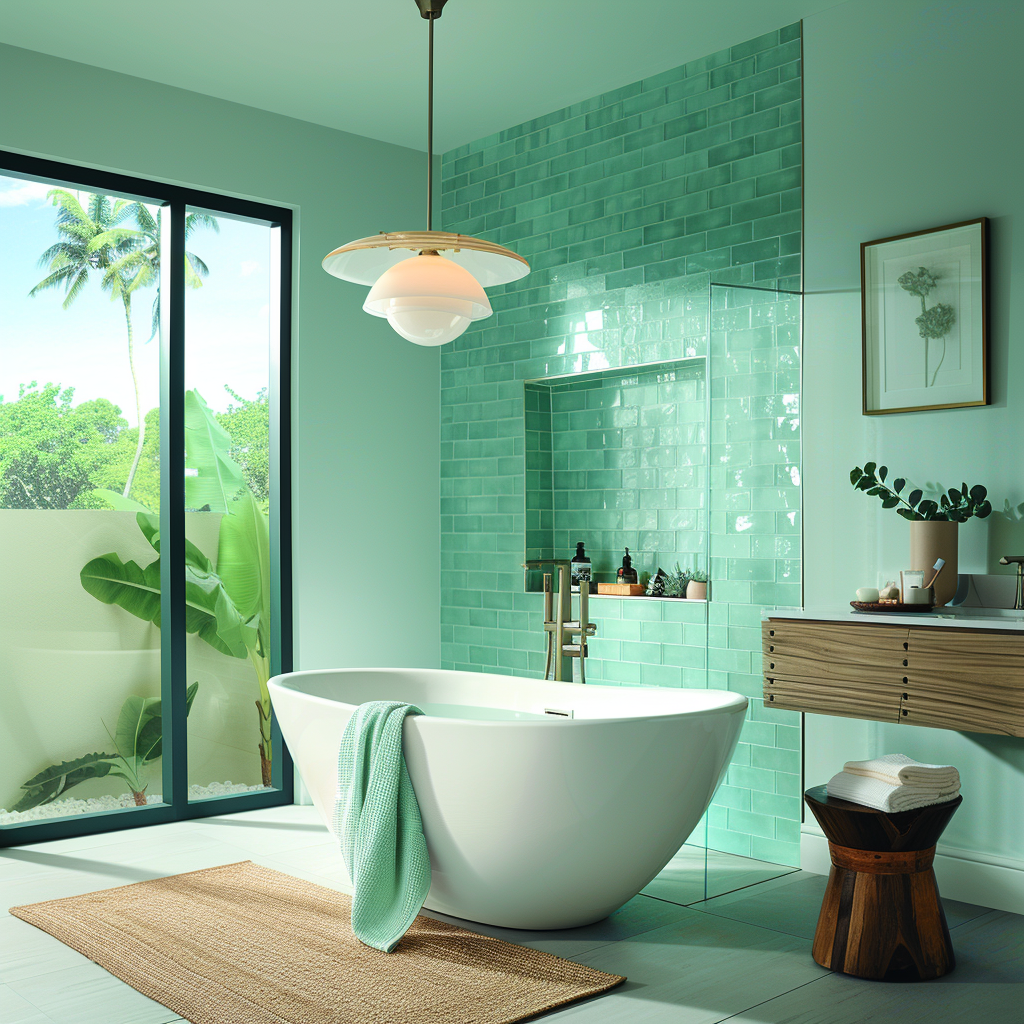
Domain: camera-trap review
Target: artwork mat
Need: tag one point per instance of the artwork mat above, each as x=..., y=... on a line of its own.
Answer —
x=918, y=248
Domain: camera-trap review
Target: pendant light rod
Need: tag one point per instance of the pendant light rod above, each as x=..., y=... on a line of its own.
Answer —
x=430, y=124
x=431, y=10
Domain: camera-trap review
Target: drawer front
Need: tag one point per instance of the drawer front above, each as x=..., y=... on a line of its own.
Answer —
x=832, y=647
x=879, y=703
x=834, y=669
x=972, y=682
x=968, y=680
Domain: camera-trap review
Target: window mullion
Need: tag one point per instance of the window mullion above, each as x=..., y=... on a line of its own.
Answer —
x=172, y=505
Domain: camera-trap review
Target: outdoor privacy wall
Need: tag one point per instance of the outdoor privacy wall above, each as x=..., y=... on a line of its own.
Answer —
x=662, y=225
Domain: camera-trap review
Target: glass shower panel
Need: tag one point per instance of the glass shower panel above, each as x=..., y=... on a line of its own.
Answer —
x=228, y=337
x=80, y=716
x=754, y=820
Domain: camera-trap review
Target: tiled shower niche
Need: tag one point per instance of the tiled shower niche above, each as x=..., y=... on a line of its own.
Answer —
x=619, y=459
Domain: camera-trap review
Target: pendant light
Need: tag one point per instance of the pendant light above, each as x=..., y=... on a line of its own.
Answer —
x=432, y=296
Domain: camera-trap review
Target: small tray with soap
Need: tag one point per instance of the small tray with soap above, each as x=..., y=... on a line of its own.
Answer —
x=892, y=607
x=621, y=589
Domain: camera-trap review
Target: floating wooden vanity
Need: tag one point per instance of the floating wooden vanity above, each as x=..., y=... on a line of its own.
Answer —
x=912, y=670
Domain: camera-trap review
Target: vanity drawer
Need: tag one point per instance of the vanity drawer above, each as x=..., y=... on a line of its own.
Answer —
x=880, y=702
x=964, y=680
x=971, y=680
x=827, y=669
x=831, y=648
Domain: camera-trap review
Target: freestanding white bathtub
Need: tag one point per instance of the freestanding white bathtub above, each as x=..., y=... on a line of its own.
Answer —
x=532, y=820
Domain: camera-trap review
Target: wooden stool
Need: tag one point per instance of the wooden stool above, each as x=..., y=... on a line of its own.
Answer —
x=881, y=917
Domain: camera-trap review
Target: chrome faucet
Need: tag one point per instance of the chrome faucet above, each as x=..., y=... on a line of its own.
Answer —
x=559, y=625
x=1018, y=560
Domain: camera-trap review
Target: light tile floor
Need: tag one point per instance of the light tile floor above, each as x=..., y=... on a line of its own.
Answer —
x=743, y=956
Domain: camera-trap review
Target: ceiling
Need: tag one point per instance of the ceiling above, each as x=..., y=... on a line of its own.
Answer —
x=361, y=67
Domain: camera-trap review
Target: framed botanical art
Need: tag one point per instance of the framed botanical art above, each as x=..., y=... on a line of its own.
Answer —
x=923, y=301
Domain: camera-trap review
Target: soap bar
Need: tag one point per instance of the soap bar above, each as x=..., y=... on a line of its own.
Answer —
x=867, y=595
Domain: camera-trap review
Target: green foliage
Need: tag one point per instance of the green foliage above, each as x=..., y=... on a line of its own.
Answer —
x=96, y=239
x=956, y=505
x=138, y=739
x=52, y=451
x=213, y=478
x=56, y=455
x=227, y=605
x=698, y=576
x=58, y=778
x=248, y=423
x=209, y=612
x=675, y=582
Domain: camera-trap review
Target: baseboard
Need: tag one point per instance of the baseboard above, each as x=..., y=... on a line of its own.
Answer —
x=964, y=875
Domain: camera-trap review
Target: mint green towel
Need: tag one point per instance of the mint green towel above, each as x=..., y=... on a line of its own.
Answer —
x=377, y=820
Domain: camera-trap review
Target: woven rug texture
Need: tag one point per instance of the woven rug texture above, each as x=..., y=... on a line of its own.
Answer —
x=242, y=944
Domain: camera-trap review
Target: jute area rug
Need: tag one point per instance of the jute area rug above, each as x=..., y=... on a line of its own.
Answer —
x=241, y=944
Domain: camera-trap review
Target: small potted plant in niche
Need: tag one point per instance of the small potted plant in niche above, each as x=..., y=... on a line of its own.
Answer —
x=676, y=582
x=933, y=524
x=697, y=587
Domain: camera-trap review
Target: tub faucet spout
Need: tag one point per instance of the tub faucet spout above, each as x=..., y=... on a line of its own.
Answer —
x=566, y=636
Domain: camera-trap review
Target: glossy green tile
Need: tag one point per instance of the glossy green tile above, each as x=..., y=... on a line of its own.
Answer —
x=615, y=201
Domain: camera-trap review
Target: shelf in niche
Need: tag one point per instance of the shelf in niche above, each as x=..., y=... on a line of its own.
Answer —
x=619, y=458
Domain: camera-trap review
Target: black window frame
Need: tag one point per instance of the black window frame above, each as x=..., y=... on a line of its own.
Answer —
x=176, y=200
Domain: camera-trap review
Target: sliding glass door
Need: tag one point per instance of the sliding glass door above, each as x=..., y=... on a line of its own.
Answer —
x=144, y=501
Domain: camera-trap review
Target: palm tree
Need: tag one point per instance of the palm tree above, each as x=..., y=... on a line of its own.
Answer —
x=147, y=252
x=95, y=238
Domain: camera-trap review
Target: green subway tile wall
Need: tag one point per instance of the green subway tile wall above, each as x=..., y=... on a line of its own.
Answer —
x=662, y=223
x=620, y=461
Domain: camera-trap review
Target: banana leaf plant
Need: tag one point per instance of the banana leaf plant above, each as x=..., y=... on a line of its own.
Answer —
x=138, y=741
x=227, y=604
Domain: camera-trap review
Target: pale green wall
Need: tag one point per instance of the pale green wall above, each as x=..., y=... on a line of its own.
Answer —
x=366, y=402
x=912, y=120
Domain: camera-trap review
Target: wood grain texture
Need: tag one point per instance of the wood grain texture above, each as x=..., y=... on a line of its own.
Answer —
x=967, y=680
x=881, y=917
x=827, y=668
x=863, y=828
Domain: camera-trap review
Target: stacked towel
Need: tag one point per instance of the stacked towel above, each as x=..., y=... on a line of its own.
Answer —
x=895, y=782
x=900, y=770
x=377, y=821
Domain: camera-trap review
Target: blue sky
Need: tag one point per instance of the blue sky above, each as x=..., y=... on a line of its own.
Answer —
x=85, y=347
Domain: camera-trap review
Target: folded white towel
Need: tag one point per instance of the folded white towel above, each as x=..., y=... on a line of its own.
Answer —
x=883, y=796
x=900, y=770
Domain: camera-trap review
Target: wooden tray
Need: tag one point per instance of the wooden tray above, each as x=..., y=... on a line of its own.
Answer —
x=621, y=589
x=890, y=606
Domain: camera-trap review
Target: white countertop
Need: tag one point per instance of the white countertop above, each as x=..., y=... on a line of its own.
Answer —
x=955, y=618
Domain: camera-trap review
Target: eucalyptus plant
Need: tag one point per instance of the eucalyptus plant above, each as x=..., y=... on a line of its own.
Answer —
x=956, y=505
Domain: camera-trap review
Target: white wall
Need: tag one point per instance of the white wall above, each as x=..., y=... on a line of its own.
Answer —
x=913, y=117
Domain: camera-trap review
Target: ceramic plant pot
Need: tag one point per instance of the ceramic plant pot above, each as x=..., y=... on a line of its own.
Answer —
x=930, y=541
x=696, y=591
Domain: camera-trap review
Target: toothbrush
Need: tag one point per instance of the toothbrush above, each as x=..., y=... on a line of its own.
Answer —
x=939, y=563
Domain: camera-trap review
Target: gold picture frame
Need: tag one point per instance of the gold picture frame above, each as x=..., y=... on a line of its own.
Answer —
x=915, y=356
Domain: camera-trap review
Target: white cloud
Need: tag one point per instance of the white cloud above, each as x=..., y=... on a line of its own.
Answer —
x=250, y=267
x=21, y=193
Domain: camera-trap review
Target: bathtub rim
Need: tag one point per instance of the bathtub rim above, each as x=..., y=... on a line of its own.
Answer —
x=737, y=705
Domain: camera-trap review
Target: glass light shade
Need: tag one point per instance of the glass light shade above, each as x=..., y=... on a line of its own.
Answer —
x=428, y=300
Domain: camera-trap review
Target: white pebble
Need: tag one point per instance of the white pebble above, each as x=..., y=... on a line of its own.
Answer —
x=70, y=805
